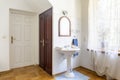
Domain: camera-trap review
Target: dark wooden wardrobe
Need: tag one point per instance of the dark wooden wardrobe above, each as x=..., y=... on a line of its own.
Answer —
x=45, y=40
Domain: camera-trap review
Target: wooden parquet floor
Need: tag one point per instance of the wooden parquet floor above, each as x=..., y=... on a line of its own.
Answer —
x=36, y=73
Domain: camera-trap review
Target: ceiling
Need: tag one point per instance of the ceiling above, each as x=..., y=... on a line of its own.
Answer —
x=39, y=5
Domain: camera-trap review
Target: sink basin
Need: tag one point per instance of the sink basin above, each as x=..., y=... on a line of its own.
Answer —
x=69, y=49
x=68, y=52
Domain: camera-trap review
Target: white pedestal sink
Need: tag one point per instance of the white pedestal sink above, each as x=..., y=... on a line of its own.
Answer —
x=68, y=52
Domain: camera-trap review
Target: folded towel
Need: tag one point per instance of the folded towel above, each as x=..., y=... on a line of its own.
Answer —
x=75, y=42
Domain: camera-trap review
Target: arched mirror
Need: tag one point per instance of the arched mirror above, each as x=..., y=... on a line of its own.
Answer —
x=64, y=27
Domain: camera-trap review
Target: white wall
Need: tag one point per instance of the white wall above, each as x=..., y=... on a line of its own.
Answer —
x=85, y=58
x=38, y=5
x=74, y=12
x=24, y=5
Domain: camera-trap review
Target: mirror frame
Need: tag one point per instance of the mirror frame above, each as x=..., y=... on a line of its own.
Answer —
x=59, y=26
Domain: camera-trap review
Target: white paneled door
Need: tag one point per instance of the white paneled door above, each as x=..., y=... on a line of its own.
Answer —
x=21, y=39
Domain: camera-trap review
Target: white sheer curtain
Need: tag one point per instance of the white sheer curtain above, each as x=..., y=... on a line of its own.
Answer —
x=104, y=36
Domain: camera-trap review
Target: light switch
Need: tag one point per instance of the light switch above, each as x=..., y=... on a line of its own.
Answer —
x=3, y=37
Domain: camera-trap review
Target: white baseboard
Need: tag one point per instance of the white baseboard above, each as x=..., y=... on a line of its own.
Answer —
x=4, y=68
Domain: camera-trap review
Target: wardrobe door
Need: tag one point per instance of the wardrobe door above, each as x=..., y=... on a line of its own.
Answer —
x=48, y=41
x=41, y=41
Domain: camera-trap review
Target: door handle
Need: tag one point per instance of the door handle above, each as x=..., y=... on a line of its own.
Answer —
x=11, y=39
x=43, y=42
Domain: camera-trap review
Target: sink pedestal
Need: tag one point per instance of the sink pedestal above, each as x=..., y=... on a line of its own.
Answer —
x=69, y=72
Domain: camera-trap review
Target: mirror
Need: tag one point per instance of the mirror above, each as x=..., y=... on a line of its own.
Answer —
x=64, y=26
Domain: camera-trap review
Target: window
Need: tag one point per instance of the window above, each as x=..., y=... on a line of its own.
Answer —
x=104, y=24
